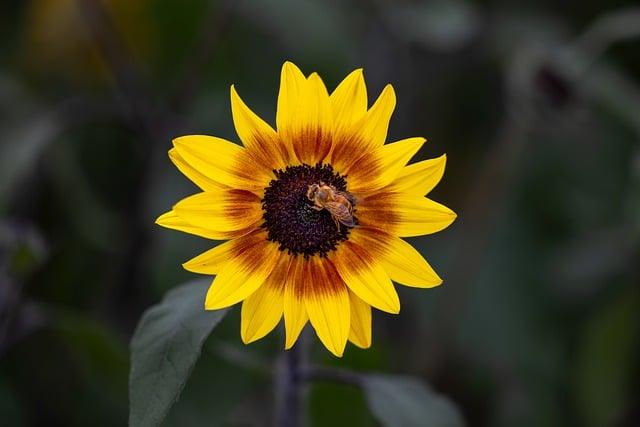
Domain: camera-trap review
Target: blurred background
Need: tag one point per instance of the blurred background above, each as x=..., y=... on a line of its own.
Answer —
x=537, y=105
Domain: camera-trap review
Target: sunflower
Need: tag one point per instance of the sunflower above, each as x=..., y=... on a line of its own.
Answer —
x=313, y=213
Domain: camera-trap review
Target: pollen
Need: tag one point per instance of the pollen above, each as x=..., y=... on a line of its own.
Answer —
x=289, y=216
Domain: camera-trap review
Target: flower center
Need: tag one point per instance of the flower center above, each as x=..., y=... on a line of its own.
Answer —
x=307, y=209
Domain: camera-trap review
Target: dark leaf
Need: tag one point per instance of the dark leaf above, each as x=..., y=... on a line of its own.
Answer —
x=407, y=402
x=164, y=349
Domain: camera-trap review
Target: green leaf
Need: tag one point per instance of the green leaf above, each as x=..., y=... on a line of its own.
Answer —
x=398, y=401
x=164, y=349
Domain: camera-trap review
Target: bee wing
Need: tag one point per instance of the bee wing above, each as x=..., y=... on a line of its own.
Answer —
x=350, y=197
x=341, y=213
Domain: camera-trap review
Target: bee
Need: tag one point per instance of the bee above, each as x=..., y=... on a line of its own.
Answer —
x=338, y=203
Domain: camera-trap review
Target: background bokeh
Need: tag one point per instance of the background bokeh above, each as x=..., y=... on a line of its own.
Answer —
x=537, y=105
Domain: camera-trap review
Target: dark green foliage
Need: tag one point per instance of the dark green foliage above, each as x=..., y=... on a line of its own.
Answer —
x=164, y=350
x=408, y=402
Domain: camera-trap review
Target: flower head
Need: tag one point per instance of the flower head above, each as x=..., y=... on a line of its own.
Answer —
x=313, y=212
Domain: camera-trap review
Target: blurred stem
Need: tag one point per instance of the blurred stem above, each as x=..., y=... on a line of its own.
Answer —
x=291, y=381
x=610, y=28
x=292, y=388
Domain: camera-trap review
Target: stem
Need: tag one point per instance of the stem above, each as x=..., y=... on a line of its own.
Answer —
x=290, y=414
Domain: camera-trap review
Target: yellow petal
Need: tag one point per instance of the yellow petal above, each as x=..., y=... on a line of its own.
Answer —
x=349, y=100
x=172, y=220
x=381, y=167
x=354, y=147
x=327, y=302
x=365, y=276
x=376, y=122
x=226, y=213
x=242, y=274
x=360, y=333
x=396, y=155
x=260, y=138
x=212, y=261
x=311, y=125
x=421, y=177
x=419, y=215
x=405, y=265
x=295, y=311
x=262, y=310
x=316, y=101
x=223, y=162
x=292, y=84
x=403, y=214
x=198, y=178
